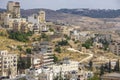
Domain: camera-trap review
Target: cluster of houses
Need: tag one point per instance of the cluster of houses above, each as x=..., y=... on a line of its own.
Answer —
x=12, y=20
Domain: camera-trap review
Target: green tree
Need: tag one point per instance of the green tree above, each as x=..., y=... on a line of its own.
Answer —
x=43, y=35
x=24, y=63
x=1, y=34
x=28, y=62
x=55, y=58
x=19, y=48
x=91, y=65
x=101, y=70
x=21, y=64
x=51, y=29
x=29, y=51
x=109, y=67
x=67, y=37
x=88, y=43
x=117, y=66
x=58, y=49
x=63, y=43
x=23, y=37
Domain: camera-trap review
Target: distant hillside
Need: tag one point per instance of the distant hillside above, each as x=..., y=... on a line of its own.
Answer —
x=94, y=13
x=51, y=15
x=2, y=10
x=85, y=18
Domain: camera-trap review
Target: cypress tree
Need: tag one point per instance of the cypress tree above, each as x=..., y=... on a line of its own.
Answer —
x=101, y=70
x=90, y=65
x=117, y=67
x=109, y=67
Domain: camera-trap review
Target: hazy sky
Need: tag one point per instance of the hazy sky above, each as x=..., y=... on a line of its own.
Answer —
x=57, y=4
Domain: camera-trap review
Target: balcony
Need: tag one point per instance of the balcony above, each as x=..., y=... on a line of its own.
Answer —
x=48, y=57
x=45, y=57
x=48, y=60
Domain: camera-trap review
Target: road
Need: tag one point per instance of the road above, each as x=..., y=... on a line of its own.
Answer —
x=85, y=59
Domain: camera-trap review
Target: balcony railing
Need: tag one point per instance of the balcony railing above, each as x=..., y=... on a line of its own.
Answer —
x=48, y=60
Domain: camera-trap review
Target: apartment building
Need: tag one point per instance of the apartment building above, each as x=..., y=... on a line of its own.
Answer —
x=80, y=35
x=115, y=47
x=40, y=74
x=39, y=22
x=42, y=16
x=69, y=70
x=16, y=26
x=14, y=9
x=34, y=20
x=47, y=74
x=44, y=52
x=1, y=19
x=8, y=64
x=37, y=18
x=21, y=27
x=36, y=61
x=66, y=67
x=12, y=20
x=9, y=21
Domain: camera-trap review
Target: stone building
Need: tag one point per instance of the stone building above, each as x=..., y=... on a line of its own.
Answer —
x=43, y=52
x=14, y=9
x=39, y=22
x=115, y=47
x=11, y=18
x=8, y=64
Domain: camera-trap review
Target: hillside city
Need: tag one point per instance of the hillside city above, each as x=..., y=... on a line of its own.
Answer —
x=69, y=48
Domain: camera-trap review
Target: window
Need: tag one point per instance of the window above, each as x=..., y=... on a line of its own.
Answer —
x=5, y=66
x=5, y=62
x=14, y=60
x=10, y=16
x=14, y=64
